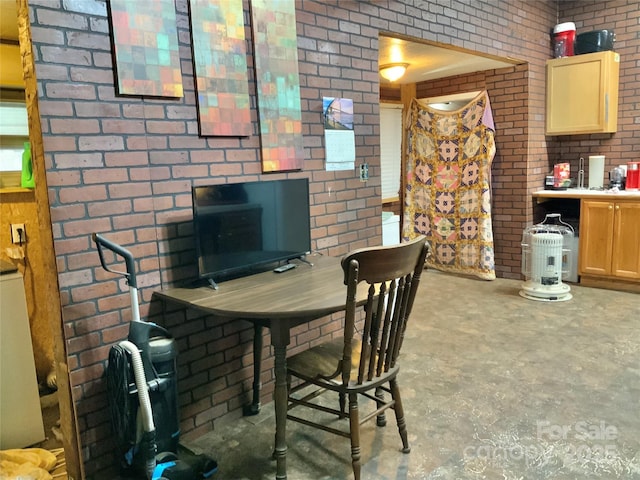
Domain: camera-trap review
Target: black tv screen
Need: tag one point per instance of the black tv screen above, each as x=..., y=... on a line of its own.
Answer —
x=240, y=227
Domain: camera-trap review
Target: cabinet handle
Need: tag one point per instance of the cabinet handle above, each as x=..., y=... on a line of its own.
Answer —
x=610, y=207
x=617, y=207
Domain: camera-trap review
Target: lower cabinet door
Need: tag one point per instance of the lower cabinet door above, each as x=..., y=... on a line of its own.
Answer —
x=625, y=262
x=596, y=239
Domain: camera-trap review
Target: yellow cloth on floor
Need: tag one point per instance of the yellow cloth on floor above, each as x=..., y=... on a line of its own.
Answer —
x=26, y=464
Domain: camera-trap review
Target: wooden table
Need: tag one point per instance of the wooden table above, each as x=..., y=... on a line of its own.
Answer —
x=278, y=301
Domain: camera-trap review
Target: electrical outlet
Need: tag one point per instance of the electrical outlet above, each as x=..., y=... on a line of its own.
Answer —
x=364, y=172
x=18, y=233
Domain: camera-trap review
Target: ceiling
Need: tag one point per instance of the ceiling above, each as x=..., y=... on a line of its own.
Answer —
x=430, y=61
x=427, y=61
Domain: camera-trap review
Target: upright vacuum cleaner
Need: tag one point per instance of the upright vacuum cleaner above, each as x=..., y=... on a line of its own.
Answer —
x=143, y=394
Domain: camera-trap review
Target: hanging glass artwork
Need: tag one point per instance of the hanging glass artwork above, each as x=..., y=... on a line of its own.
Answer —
x=277, y=84
x=220, y=61
x=145, y=43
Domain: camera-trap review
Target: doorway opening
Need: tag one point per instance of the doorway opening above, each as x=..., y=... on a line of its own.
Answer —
x=428, y=64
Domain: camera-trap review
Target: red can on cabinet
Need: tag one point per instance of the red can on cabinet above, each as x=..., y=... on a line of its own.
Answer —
x=564, y=37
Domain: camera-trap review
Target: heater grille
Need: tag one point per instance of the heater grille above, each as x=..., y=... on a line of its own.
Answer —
x=546, y=258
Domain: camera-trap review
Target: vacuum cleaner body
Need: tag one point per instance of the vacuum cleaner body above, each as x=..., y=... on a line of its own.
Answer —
x=158, y=352
x=142, y=391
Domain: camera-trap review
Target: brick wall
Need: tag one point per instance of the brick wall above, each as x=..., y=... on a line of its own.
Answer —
x=124, y=166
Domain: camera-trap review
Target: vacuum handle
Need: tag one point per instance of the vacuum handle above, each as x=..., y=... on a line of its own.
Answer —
x=130, y=274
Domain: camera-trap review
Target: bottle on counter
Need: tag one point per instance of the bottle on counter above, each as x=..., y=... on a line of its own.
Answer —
x=26, y=178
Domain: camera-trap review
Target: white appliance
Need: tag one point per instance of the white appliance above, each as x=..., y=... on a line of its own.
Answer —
x=20, y=412
x=547, y=259
x=390, y=228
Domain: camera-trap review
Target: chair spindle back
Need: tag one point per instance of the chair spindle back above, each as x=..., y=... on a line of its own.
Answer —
x=393, y=276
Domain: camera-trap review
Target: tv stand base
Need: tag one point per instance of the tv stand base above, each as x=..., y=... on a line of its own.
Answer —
x=304, y=260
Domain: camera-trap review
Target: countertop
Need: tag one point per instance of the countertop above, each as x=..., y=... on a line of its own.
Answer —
x=586, y=193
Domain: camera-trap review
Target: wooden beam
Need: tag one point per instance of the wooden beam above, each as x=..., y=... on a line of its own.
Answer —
x=49, y=282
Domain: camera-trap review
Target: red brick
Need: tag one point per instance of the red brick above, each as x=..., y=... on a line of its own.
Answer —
x=97, y=176
x=85, y=227
x=80, y=194
x=100, y=142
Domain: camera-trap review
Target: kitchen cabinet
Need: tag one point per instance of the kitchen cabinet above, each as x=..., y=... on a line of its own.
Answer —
x=610, y=239
x=582, y=94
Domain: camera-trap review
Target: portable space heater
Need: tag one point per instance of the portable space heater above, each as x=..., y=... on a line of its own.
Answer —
x=546, y=257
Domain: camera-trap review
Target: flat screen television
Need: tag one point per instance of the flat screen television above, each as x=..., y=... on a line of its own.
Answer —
x=241, y=228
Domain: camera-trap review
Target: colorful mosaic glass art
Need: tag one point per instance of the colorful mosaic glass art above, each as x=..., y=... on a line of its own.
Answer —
x=277, y=84
x=145, y=42
x=220, y=61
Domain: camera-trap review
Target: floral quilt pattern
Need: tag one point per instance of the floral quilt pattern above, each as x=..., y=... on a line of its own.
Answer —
x=448, y=185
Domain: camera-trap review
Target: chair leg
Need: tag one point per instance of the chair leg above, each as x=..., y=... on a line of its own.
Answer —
x=343, y=404
x=381, y=420
x=402, y=425
x=354, y=430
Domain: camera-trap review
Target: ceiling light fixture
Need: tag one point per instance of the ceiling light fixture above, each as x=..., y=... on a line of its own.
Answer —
x=393, y=71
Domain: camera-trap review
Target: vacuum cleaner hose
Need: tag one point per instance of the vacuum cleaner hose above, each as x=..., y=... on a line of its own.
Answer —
x=145, y=404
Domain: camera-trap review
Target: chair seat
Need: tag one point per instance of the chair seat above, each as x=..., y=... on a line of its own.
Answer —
x=321, y=365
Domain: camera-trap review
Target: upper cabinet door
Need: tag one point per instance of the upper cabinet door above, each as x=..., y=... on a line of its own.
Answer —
x=582, y=94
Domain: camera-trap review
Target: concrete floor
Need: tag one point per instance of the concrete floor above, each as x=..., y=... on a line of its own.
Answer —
x=495, y=386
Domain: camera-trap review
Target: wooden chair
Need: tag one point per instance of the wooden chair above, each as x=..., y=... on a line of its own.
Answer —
x=363, y=366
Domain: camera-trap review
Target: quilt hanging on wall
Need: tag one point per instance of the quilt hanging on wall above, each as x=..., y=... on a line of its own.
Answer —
x=448, y=185
x=220, y=62
x=277, y=84
x=145, y=43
